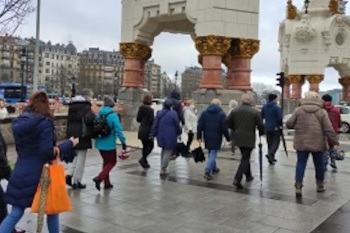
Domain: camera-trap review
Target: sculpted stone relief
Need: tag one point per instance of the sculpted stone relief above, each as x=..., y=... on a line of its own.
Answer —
x=304, y=32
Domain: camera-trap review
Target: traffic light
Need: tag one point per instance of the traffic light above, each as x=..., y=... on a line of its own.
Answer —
x=280, y=80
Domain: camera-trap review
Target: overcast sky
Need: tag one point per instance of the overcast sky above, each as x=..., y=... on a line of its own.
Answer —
x=91, y=23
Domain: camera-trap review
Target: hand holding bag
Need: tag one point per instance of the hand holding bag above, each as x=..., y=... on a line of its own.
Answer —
x=54, y=195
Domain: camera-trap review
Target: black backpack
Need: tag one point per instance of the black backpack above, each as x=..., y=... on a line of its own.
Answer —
x=100, y=127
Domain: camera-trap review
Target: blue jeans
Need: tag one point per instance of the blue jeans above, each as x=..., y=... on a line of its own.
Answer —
x=211, y=165
x=16, y=214
x=302, y=161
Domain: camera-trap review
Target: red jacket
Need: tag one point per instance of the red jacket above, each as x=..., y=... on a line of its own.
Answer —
x=334, y=115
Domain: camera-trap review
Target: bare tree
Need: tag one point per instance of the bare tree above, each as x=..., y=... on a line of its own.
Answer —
x=12, y=15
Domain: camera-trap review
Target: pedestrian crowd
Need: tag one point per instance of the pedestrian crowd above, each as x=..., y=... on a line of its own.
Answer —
x=316, y=122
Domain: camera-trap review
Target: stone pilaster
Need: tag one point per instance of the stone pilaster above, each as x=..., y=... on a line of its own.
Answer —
x=238, y=62
x=135, y=55
x=314, y=80
x=297, y=81
x=211, y=49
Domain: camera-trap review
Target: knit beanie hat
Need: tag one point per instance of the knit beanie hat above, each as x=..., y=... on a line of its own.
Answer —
x=108, y=101
x=272, y=97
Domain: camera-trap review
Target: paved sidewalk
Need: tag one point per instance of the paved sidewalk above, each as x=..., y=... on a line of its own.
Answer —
x=183, y=202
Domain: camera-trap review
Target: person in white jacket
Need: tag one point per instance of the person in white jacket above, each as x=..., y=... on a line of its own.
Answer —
x=191, y=120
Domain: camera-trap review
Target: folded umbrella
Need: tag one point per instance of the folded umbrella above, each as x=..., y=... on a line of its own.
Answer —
x=260, y=159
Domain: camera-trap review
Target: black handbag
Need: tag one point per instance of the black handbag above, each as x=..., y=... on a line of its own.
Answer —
x=198, y=155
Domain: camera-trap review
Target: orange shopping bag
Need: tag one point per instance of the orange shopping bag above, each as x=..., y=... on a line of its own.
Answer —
x=57, y=199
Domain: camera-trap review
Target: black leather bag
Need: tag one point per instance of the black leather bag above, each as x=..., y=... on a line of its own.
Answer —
x=198, y=155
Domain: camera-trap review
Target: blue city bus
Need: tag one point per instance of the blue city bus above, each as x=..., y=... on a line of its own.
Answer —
x=12, y=92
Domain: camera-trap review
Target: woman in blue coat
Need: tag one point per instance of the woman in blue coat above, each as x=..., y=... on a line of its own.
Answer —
x=166, y=128
x=34, y=135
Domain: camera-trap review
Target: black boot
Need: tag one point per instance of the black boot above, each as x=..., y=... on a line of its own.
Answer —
x=81, y=186
x=97, y=183
x=143, y=163
x=69, y=180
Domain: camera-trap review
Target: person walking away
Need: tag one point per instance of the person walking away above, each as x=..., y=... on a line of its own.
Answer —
x=79, y=124
x=232, y=105
x=335, y=118
x=243, y=121
x=34, y=135
x=145, y=116
x=272, y=114
x=312, y=125
x=166, y=128
x=107, y=145
x=177, y=105
x=212, y=126
x=191, y=119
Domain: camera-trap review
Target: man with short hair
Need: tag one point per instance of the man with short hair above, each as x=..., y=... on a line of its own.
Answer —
x=272, y=114
x=243, y=121
x=334, y=117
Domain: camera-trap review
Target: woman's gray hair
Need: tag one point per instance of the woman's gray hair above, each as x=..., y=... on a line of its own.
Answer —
x=247, y=98
x=311, y=95
x=233, y=104
x=87, y=94
x=216, y=102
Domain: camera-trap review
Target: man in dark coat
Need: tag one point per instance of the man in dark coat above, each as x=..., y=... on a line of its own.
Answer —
x=177, y=105
x=80, y=123
x=272, y=114
x=212, y=124
x=243, y=121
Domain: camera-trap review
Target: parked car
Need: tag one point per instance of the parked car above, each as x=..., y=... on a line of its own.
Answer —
x=345, y=118
x=157, y=104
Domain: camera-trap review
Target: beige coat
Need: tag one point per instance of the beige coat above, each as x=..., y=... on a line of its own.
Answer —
x=312, y=126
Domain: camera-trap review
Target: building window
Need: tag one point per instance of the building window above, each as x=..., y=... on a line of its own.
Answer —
x=46, y=55
x=47, y=63
x=47, y=71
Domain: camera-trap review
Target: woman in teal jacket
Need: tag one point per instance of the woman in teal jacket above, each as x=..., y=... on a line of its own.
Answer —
x=107, y=145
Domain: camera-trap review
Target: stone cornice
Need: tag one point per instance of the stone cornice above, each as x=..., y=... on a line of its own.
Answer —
x=135, y=51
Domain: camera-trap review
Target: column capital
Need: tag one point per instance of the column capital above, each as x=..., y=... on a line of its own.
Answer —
x=135, y=50
x=292, y=11
x=314, y=78
x=296, y=78
x=287, y=81
x=244, y=48
x=212, y=45
x=344, y=80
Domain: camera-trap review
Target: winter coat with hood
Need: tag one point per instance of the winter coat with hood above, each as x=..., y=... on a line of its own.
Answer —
x=145, y=116
x=312, y=125
x=34, y=138
x=166, y=127
x=108, y=143
x=80, y=113
x=334, y=115
x=177, y=105
x=244, y=120
x=272, y=114
x=212, y=126
x=191, y=119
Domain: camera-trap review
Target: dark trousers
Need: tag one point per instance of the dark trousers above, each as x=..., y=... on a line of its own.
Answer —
x=273, y=142
x=190, y=139
x=301, y=165
x=3, y=207
x=244, y=166
x=109, y=161
x=147, y=147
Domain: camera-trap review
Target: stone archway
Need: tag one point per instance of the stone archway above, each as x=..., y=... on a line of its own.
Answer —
x=310, y=42
x=223, y=32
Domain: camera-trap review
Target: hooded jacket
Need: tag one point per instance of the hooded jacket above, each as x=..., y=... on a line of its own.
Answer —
x=34, y=138
x=272, y=114
x=80, y=113
x=334, y=115
x=177, y=105
x=312, y=125
x=145, y=116
x=212, y=126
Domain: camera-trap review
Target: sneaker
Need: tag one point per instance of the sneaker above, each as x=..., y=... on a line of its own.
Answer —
x=207, y=176
x=143, y=164
x=237, y=184
x=69, y=180
x=216, y=171
x=249, y=179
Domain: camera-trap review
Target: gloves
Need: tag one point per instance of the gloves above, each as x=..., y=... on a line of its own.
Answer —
x=124, y=146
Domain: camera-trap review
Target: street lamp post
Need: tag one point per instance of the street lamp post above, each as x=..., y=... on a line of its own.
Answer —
x=73, y=86
x=176, y=74
x=23, y=61
x=306, y=5
x=116, y=88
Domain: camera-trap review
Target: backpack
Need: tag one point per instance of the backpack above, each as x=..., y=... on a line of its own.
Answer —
x=100, y=127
